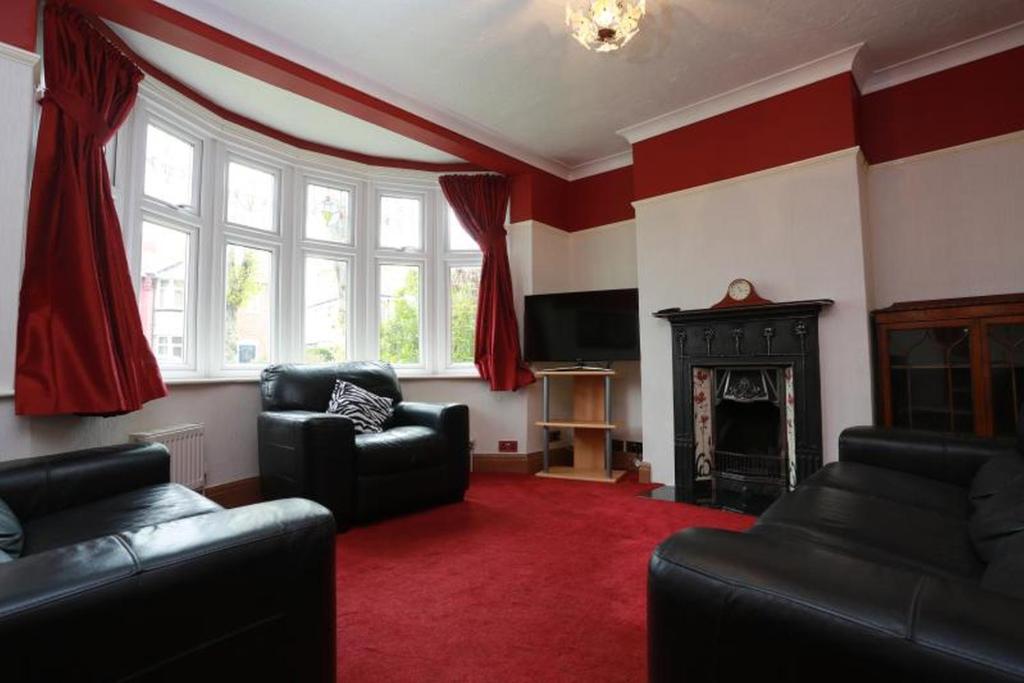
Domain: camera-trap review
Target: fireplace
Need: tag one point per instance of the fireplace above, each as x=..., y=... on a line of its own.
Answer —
x=747, y=402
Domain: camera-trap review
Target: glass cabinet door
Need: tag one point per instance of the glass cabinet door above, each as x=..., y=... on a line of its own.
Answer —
x=1006, y=374
x=930, y=375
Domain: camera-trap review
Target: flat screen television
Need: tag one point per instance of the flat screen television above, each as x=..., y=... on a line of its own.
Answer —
x=584, y=327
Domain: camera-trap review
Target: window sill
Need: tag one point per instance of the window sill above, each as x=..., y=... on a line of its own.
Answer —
x=447, y=375
x=199, y=381
x=188, y=381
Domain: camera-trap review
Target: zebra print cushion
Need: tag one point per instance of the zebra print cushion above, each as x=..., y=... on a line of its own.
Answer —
x=367, y=410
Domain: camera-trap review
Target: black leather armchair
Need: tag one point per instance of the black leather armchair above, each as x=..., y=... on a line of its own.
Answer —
x=421, y=458
x=867, y=571
x=125, y=576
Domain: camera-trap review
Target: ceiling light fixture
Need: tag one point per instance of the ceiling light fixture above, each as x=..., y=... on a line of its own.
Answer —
x=604, y=25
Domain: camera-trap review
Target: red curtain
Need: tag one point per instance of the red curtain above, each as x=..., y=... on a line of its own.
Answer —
x=480, y=202
x=80, y=343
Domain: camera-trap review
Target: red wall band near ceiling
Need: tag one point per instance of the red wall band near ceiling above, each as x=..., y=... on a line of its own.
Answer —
x=973, y=101
x=600, y=199
x=18, y=23
x=800, y=124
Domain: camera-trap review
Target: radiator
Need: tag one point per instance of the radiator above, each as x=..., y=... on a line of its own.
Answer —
x=188, y=459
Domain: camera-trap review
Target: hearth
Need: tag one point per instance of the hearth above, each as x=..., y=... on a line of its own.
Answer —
x=747, y=402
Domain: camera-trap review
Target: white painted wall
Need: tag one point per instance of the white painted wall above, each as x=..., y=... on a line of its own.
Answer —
x=228, y=412
x=17, y=83
x=796, y=232
x=606, y=258
x=949, y=223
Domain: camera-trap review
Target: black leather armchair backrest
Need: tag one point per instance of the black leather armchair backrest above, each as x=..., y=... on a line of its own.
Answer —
x=34, y=487
x=1020, y=429
x=309, y=387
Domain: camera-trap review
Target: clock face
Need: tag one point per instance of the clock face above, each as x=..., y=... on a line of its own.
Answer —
x=739, y=289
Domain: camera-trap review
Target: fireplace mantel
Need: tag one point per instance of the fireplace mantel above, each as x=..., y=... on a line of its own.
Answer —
x=780, y=335
x=677, y=315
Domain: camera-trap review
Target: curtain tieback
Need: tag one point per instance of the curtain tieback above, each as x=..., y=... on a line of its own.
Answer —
x=83, y=113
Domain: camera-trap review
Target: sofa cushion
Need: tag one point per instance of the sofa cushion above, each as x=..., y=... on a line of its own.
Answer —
x=997, y=518
x=995, y=475
x=368, y=411
x=123, y=512
x=4, y=557
x=895, y=486
x=926, y=539
x=11, y=536
x=399, y=449
x=1005, y=573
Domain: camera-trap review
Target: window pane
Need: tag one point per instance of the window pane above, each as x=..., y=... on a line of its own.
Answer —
x=328, y=214
x=326, y=315
x=247, y=328
x=458, y=238
x=463, y=287
x=251, y=196
x=400, y=314
x=162, y=292
x=400, y=223
x=169, y=166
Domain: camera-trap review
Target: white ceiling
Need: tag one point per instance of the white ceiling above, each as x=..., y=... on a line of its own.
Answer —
x=276, y=107
x=506, y=73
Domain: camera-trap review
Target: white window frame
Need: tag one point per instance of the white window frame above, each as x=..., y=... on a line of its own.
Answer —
x=422, y=366
x=147, y=215
x=216, y=144
x=307, y=179
x=399, y=192
x=234, y=157
x=450, y=258
x=273, y=352
x=350, y=262
x=197, y=164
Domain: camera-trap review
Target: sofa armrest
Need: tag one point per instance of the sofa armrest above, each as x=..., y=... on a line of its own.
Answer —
x=33, y=487
x=952, y=458
x=452, y=420
x=730, y=606
x=309, y=454
x=248, y=589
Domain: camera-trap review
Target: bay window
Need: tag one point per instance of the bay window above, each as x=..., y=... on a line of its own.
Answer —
x=247, y=253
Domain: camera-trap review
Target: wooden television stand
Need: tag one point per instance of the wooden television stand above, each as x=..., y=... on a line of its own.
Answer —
x=590, y=422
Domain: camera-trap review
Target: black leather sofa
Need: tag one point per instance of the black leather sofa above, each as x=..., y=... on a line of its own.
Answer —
x=126, y=577
x=421, y=458
x=904, y=561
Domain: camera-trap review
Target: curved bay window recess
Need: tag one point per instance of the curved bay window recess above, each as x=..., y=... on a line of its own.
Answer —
x=747, y=398
x=952, y=365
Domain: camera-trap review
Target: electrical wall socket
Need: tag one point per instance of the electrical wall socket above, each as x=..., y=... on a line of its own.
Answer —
x=508, y=446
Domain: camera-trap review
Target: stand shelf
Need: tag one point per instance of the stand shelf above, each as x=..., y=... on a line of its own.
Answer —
x=591, y=424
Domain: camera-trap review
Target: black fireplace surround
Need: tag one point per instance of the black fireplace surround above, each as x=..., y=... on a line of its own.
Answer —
x=747, y=340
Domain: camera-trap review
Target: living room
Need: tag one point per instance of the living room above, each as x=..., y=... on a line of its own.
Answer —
x=533, y=337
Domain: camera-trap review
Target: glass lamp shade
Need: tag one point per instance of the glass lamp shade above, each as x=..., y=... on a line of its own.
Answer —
x=604, y=25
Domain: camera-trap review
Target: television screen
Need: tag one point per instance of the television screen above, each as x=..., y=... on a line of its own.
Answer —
x=591, y=327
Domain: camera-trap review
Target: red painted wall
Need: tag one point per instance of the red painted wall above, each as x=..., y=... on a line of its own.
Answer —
x=973, y=101
x=799, y=124
x=18, y=23
x=541, y=197
x=600, y=199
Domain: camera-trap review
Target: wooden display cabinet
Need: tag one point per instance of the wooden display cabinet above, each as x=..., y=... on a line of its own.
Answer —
x=951, y=365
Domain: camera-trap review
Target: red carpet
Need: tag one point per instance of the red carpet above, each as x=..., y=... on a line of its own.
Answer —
x=529, y=580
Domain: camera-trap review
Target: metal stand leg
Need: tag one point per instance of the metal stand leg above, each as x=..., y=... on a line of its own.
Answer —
x=608, y=432
x=547, y=417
